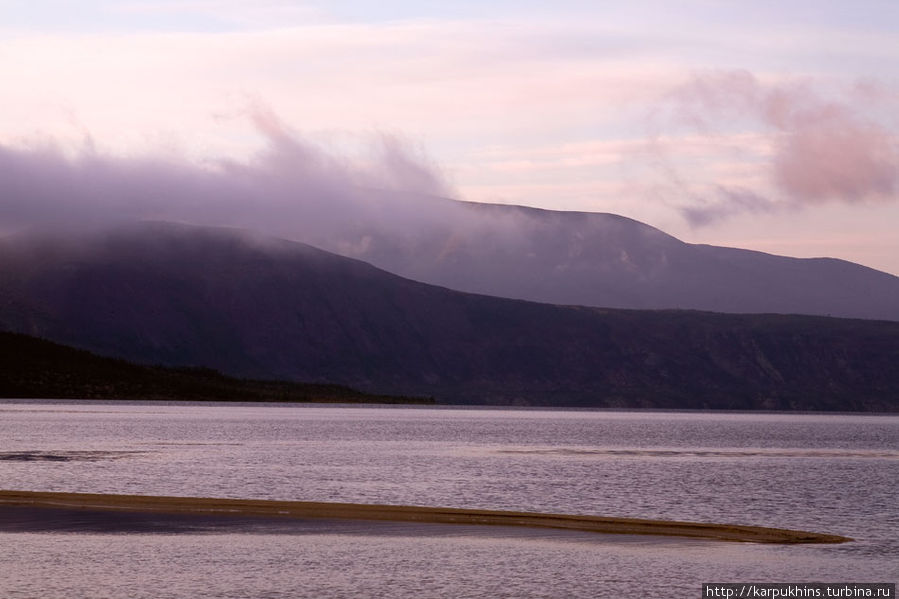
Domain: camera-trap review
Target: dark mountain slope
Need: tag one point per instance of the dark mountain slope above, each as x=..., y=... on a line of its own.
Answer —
x=606, y=260
x=264, y=309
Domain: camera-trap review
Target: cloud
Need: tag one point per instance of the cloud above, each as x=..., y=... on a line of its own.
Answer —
x=728, y=202
x=291, y=188
x=821, y=148
x=830, y=153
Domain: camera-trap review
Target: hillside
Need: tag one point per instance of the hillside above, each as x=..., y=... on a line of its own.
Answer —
x=606, y=260
x=185, y=296
x=35, y=368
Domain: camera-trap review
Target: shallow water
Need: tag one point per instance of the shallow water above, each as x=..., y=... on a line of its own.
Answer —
x=826, y=473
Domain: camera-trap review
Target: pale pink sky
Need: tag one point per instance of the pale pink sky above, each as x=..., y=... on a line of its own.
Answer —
x=760, y=124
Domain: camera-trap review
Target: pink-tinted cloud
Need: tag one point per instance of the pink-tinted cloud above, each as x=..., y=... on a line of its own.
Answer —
x=830, y=153
x=821, y=149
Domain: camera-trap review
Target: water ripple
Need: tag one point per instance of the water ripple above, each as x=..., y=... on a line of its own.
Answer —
x=700, y=453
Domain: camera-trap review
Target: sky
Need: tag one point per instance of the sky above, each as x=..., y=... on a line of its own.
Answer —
x=768, y=125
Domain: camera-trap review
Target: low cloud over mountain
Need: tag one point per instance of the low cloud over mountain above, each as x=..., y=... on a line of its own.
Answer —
x=390, y=209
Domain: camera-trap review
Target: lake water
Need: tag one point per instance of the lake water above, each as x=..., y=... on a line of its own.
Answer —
x=824, y=473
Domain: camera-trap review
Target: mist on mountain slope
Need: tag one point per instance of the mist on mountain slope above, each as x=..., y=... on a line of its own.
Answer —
x=392, y=210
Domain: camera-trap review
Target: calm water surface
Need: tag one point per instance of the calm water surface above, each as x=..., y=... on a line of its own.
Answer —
x=826, y=473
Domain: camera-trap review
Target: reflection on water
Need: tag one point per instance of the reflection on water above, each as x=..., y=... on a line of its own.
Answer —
x=65, y=456
x=24, y=519
x=827, y=473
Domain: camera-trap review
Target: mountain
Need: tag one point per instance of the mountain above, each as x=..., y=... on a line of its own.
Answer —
x=605, y=260
x=36, y=368
x=267, y=309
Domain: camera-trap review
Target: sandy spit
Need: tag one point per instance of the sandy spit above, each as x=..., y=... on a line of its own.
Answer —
x=204, y=506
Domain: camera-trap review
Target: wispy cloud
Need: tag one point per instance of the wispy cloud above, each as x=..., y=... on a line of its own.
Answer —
x=727, y=202
x=821, y=147
x=291, y=188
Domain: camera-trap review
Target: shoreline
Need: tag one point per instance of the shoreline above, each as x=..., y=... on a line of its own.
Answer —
x=207, y=506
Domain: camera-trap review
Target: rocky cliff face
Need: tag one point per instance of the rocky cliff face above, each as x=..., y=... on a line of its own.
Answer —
x=186, y=296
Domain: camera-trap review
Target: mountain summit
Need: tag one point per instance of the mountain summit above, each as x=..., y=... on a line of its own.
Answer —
x=605, y=260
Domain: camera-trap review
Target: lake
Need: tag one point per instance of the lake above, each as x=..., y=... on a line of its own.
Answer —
x=825, y=473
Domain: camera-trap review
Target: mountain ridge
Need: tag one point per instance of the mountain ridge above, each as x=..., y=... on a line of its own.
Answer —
x=256, y=308
x=608, y=260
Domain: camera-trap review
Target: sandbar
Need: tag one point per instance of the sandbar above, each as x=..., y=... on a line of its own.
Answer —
x=207, y=506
